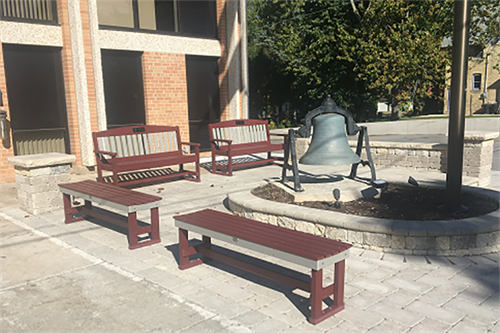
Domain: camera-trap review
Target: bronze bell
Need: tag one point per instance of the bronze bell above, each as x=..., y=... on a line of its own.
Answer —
x=329, y=144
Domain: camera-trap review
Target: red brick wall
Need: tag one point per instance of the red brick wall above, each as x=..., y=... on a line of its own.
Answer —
x=69, y=84
x=6, y=149
x=165, y=90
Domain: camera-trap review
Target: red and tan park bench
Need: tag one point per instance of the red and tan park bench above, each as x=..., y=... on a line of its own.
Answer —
x=134, y=154
x=300, y=248
x=239, y=138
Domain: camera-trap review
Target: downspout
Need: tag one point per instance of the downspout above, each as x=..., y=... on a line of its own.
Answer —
x=485, y=89
x=244, y=59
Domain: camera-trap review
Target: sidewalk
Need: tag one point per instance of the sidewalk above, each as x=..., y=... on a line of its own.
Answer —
x=81, y=277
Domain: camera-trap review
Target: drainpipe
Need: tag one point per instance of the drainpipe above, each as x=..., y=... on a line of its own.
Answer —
x=485, y=90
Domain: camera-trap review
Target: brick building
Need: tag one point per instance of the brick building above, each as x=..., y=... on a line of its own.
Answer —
x=483, y=79
x=68, y=68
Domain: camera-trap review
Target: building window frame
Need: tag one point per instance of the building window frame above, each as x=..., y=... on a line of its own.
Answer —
x=476, y=81
x=27, y=11
x=178, y=26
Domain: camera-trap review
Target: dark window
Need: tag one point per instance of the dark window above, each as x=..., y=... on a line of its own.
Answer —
x=184, y=17
x=202, y=75
x=35, y=87
x=35, y=11
x=198, y=18
x=123, y=88
x=476, y=81
x=476, y=51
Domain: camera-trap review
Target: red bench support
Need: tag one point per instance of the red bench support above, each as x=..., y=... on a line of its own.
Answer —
x=118, y=198
x=241, y=137
x=297, y=247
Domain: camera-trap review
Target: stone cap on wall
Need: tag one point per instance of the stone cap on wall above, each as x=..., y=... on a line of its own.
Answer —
x=480, y=135
x=41, y=160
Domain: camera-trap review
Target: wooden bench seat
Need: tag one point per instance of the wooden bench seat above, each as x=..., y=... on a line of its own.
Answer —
x=304, y=249
x=116, y=197
x=241, y=137
x=140, y=148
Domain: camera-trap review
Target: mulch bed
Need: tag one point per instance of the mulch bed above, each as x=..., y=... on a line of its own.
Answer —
x=398, y=202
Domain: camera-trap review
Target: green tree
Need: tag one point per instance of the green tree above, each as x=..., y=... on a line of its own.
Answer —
x=360, y=51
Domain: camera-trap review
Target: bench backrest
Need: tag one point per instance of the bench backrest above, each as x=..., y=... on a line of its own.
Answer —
x=240, y=131
x=138, y=140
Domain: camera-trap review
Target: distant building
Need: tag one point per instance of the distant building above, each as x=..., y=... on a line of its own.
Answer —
x=72, y=67
x=483, y=79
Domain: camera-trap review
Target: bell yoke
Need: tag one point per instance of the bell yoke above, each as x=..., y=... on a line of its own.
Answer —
x=329, y=144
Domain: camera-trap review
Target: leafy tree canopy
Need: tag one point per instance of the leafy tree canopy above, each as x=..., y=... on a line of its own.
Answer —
x=359, y=51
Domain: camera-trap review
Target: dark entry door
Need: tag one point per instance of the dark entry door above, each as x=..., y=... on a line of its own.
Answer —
x=35, y=88
x=123, y=88
x=203, y=97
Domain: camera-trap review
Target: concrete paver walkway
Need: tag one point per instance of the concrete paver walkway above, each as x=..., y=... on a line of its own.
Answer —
x=81, y=277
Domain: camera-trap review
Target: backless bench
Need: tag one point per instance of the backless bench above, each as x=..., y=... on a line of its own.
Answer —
x=304, y=249
x=116, y=197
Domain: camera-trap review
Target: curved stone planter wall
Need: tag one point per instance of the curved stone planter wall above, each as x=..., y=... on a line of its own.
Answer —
x=473, y=236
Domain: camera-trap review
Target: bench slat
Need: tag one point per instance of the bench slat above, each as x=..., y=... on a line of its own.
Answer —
x=299, y=243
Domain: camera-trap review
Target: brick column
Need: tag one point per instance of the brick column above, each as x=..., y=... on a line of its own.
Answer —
x=478, y=155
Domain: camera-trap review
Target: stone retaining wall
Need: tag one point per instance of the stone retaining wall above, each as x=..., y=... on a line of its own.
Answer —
x=473, y=236
x=478, y=155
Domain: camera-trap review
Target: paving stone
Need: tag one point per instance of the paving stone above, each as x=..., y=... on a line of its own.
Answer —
x=430, y=325
x=304, y=327
x=251, y=318
x=399, y=315
x=388, y=326
x=493, y=302
x=351, y=290
x=363, y=300
x=460, y=261
x=452, y=286
x=416, y=260
x=394, y=257
x=484, y=314
x=365, y=319
x=401, y=298
x=380, y=273
x=258, y=289
x=230, y=291
x=413, y=272
x=221, y=305
x=408, y=285
x=270, y=325
x=256, y=301
x=477, y=293
x=435, y=312
x=437, y=297
x=328, y=323
x=468, y=327
x=495, y=328
x=376, y=255
x=360, y=266
x=292, y=320
x=373, y=286
x=348, y=326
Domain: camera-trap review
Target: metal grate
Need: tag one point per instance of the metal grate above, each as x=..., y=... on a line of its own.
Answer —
x=29, y=10
x=39, y=142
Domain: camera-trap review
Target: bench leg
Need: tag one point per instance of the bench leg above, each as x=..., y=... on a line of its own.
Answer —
x=318, y=293
x=134, y=230
x=69, y=210
x=185, y=251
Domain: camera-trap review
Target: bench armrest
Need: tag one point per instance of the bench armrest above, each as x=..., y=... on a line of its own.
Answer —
x=102, y=152
x=222, y=140
x=190, y=144
x=279, y=134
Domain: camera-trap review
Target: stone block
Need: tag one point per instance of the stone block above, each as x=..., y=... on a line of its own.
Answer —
x=462, y=242
x=306, y=227
x=355, y=237
x=378, y=240
x=488, y=239
x=336, y=234
x=397, y=242
x=286, y=222
x=420, y=243
x=443, y=243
